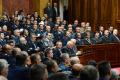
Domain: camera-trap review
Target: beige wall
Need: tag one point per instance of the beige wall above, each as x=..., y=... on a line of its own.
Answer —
x=43, y=4
x=39, y=6
x=0, y=7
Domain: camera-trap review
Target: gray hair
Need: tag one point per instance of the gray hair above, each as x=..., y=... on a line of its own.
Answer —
x=3, y=64
x=24, y=52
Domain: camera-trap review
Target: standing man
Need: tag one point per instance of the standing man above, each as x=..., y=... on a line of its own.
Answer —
x=48, y=11
x=56, y=12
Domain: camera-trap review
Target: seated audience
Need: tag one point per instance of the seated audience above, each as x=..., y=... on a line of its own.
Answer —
x=30, y=45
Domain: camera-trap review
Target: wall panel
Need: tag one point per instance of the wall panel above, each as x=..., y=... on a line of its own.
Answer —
x=97, y=12
x=10, y=6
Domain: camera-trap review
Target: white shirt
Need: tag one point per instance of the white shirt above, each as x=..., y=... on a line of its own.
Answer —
x=56, y=11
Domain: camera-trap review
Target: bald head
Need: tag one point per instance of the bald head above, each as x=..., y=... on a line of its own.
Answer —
x=74, y=60
x=77, y=67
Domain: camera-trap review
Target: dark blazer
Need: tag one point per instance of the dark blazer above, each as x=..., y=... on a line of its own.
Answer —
x=23, y=47
x=114, y=38
x=79, y=42
x=96, y=40
x=105, y=39
x=71, y=52
x=2, y=42
x=101, y=34
x=58, y=36
x=86, y=42
x=56, y=14
x=32, y=46
x=19, y=73
x=84, y=35
x=49, y=12
x=40, y=44
x=16, y=39
x=57, y=53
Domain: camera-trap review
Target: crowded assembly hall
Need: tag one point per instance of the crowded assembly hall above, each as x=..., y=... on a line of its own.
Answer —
x=59, y=40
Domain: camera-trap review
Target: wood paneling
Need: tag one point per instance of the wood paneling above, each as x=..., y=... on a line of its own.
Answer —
x=28, y=6
x=97, y=12
x=109, y=52
x=10, y=6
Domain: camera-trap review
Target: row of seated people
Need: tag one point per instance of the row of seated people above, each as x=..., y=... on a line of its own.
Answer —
x=39, y=35
x=19, y=65
x=23, y=37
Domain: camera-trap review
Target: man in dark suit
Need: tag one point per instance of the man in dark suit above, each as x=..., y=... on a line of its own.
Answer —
x=33, y=44
x=76, y=23
x=48, y=11
x=105, y=38
x=96, y=39
x=16, y=36
x=110, y=30
x=23, y=44
x=114, y=37
x=57, y=51
x=20, y=71
x=2, y=40
x=101, y=31
x=58, y=34
x=88, y=40
x=69, y=48
x=79, y=41
x=56, y=12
